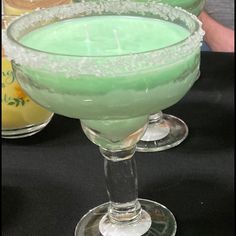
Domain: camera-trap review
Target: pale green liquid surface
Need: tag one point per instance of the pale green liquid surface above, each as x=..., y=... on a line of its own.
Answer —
x=105, y=36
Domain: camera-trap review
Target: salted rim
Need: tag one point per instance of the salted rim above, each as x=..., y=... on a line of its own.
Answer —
x=101, y=65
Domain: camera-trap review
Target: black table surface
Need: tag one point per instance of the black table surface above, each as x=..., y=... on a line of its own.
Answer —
x=50, y=180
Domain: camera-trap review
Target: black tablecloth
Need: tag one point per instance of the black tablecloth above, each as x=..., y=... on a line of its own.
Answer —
x=51, y=179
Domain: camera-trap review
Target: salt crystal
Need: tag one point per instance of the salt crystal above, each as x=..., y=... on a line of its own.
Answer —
x=100, y=66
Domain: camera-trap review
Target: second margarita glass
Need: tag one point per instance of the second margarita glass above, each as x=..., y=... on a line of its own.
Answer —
x=165, y=131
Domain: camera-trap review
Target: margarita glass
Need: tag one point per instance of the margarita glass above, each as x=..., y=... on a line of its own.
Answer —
x=97, y=62
x=165, y=131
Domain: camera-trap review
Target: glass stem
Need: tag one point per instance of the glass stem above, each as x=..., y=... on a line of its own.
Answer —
x=122, y=185
x=156, y=117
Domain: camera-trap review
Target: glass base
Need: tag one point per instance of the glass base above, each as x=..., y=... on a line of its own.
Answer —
x=163, y=134
x=162, y=222
x=24, y=132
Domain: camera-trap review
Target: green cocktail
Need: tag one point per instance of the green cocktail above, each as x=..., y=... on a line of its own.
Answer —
x=193, y=6
x=110, y=64
x=98, y=98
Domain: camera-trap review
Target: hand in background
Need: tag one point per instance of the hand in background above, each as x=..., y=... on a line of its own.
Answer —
x=218, y=37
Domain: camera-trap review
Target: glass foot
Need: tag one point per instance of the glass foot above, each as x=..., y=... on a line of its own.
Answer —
x=164, y=133
x=157, y=218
